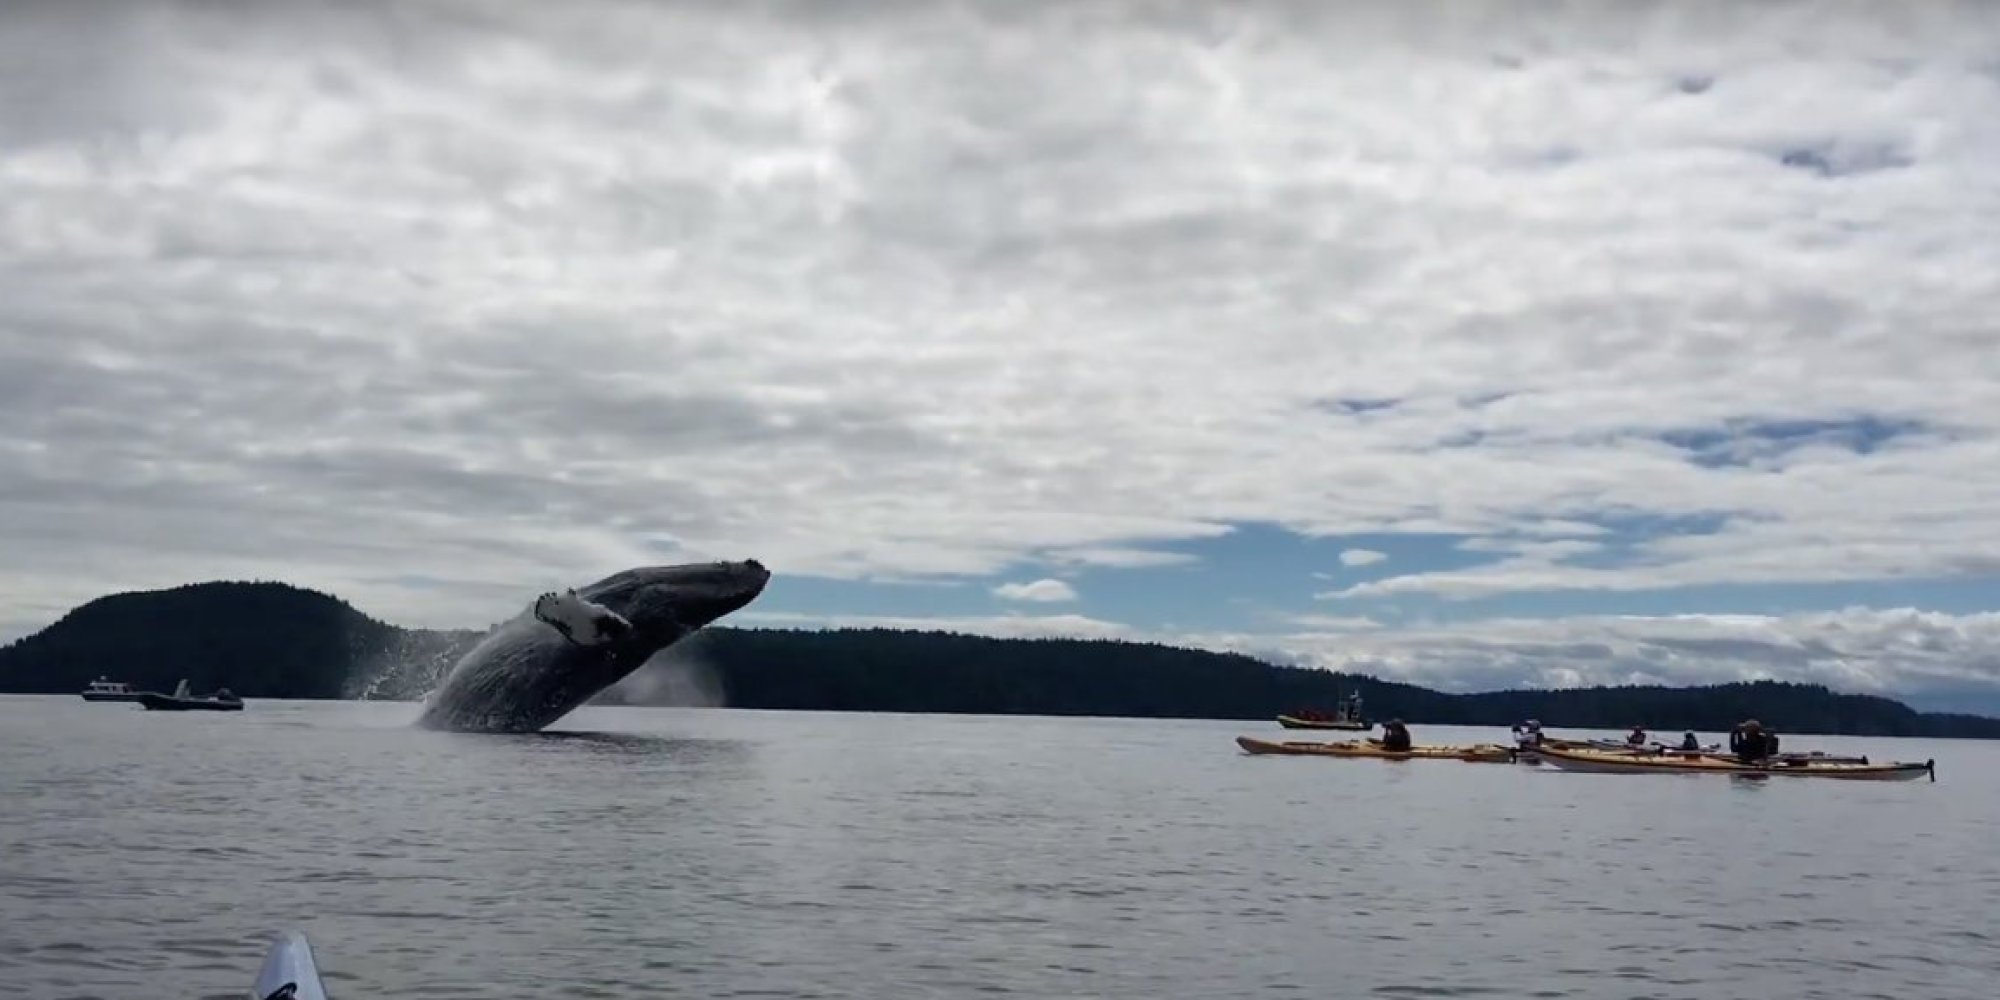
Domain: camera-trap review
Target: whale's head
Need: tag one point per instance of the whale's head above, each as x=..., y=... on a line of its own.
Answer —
x=664, y=603
x=526, y=673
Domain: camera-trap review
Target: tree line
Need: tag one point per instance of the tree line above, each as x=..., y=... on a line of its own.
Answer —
x=272, y=640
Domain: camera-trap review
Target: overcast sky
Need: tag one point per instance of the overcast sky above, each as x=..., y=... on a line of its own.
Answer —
x=1468, y=344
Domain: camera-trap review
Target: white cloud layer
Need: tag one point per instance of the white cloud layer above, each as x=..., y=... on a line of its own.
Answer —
x=1043, y=590
x=411, y=301
x=1361, y=557
x=999, y=626
x=1862, y=650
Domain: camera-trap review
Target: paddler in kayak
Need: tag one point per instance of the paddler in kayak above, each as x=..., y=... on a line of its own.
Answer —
x=1528, y=735
x=1395, y=737
x=1749, y=742
x=1637, y=737
x=1689, y=743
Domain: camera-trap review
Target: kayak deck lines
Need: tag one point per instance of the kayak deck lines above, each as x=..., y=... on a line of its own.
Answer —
x=1575, y=756
x=1490, y=753
x=1613, y=762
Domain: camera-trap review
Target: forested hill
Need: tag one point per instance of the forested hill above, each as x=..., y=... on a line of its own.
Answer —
x=908, y=671
x=268, y=640
x=260, y=640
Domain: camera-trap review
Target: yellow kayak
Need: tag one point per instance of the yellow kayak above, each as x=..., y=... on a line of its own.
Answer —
x=1614, y=762
x=1485, y=753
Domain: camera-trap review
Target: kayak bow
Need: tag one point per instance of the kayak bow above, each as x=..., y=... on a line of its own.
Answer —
x=289, y=972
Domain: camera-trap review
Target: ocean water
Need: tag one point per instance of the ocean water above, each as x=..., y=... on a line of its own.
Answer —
x=712, y=853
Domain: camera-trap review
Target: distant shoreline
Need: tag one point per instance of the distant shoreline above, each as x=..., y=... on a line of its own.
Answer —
x=1662, y=735
x=273, y=640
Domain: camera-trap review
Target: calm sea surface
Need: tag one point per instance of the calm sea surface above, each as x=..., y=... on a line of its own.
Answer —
x=653, y=852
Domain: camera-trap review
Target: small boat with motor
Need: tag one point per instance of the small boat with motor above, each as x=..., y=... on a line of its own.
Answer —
x=1485, y=753
x=105, y=689
x=1347, y=715
x=1315, y=720
x=1615, y=762
x=223, y=700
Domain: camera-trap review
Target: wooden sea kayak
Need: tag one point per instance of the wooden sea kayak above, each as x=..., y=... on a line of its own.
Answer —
x=1613, y=762
x=1712, y=751
x=1485, y=753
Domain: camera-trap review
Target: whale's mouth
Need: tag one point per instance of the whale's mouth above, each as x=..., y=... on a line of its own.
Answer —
x=672, y=600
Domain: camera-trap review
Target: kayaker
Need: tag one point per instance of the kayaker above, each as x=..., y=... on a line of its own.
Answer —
x=1637, y=737
x=1749, y=742
x=1395, y=737
x=1689, y=743
x=1528, y=734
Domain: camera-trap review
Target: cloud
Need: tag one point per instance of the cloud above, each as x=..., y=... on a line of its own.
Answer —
x=999, y=626
x=1116, y=558
x=1330, y=623
x=527, y=294
x=1928, y=656
x=1045, y=590
x=1361, y=557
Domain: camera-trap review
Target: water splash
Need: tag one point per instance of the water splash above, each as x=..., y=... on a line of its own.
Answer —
x=677, y=677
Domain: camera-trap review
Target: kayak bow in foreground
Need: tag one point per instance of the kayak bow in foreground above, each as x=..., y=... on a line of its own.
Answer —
x=289, y=972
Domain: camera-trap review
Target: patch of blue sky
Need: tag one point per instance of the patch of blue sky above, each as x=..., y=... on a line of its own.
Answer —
x=1241, y=579
x=1958, y=595
x=1258, y=574
x=1746, y=442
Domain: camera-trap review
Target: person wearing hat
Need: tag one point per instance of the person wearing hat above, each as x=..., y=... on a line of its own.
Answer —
x=1749, y=742
x=1395, y=737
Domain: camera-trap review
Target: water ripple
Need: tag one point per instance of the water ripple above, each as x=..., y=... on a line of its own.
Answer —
x=763, y=854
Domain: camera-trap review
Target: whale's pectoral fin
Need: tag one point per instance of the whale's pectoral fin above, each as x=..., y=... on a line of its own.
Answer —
x=580, y=621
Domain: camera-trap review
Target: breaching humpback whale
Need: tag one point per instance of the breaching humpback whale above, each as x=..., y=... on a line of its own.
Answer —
x=533, y=669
